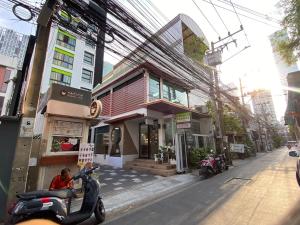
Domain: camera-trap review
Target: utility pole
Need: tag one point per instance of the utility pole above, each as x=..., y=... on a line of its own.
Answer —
x=214, y=59
x=23, y=154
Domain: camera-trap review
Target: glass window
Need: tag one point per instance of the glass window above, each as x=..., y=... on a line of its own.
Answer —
x=87, y=76
x=90, y=43
x=65, y=144
x=66, y=41
x=63, y=60
x=116, y=139
x=59, y=78
x=154, y=88
x=88, y=58
x=174, y=94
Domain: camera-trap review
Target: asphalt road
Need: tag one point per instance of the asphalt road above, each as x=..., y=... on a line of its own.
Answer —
x=259, y=191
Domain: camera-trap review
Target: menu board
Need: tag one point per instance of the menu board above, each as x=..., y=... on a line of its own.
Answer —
x=86, y=153
x=67, y=128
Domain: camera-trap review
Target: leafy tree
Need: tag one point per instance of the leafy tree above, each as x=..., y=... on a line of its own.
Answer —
x=286, y=47
x=232, y=123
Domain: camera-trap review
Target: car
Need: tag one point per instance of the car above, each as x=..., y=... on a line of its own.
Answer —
x=294, y=153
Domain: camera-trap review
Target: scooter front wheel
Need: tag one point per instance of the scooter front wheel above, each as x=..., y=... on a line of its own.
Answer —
x=100, y=211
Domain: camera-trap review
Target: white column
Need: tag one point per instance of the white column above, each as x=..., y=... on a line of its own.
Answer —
x=161, y=133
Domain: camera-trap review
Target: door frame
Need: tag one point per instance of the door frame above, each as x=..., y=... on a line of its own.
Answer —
x=148, y=144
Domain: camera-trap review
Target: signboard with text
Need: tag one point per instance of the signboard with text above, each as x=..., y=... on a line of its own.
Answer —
x=86, y=153
x=239, y=148
x=183, y=117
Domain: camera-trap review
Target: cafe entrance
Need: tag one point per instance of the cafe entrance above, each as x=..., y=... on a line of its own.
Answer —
x=148, y=141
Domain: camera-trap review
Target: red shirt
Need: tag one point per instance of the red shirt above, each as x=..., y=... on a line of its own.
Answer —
x=58, y=183
x=66, y=146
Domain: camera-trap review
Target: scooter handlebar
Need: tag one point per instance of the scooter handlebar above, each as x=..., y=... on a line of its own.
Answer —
x=83, y=172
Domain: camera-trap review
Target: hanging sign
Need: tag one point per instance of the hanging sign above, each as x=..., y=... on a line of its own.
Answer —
x=183, y=117
x=86, y=153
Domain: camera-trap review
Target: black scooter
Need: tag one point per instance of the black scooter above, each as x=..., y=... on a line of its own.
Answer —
x=55, y=205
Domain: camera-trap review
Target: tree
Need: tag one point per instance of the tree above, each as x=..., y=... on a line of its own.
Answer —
x=232, y=123
x=288, y=46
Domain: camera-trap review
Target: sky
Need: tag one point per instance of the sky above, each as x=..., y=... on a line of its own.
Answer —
x=255, y=65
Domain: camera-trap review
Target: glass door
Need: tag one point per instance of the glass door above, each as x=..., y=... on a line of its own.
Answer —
x=144, y=141
x=153, y=141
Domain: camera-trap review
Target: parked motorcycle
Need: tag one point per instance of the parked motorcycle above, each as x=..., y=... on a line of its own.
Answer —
x=55, y=205
x=212, y=165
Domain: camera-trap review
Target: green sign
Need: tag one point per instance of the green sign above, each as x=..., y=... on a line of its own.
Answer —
x=183, y=117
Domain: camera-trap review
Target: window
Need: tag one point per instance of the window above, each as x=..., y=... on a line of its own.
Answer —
x=63, y=58
x=60, y=77
x=174, y=94
x=90, y=43
x=115, y=139
x=65, y=144
x=66, y=40
x=87, y=76
x=154, y=88
x=101, y=140
x=88, y=58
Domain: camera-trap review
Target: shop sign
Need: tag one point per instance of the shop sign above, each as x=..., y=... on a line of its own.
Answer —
x=183, y=125
x=183, y=117
x=239, y=148
x=26, y=129
x=69, y=94
x=96, y=108
x=68, y=128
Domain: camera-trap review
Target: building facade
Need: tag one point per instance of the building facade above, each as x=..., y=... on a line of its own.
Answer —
x=263, y=106
x=146, y=107
x=282, y=68
x=70, y=61
x=12, y=51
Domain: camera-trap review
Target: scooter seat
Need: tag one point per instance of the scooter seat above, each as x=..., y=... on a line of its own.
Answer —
x=40, y=194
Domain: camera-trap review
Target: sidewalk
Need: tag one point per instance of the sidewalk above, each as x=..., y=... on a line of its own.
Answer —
x=140, y=194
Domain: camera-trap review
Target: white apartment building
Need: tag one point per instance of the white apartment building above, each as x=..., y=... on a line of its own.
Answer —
x=263, y=105
x=12, y=51
x=70, y=61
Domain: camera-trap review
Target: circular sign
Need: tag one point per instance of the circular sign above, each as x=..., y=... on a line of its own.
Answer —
x=96, y=108
x=63, y=92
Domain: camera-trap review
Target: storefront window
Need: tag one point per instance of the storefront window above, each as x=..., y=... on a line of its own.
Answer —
x=116, y=139
x=174, y=94
x=154, y=88
x=65, y=144
x=169, y=134
x=102, y=140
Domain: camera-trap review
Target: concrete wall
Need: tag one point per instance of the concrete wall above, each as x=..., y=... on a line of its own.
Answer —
x=133, y=130
x=206, y=126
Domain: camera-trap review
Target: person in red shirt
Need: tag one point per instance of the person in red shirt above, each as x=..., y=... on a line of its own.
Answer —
x=62, y=181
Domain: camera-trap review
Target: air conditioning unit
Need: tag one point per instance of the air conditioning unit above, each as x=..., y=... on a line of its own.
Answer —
x=201, y=108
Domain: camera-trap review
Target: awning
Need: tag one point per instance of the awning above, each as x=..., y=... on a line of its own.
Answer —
x=122, y=118
x=166, y=107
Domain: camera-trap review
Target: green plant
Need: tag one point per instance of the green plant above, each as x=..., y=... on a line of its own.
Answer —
x=287, y=40
x=196, y=155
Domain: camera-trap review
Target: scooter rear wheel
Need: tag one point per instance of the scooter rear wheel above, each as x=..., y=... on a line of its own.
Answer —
x=100, y=211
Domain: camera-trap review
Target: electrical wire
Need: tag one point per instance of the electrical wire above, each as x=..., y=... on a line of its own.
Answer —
x=202, y=13
x=254, y=19
x=220, y=18
x=240, y=23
